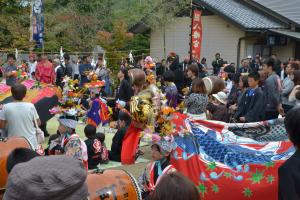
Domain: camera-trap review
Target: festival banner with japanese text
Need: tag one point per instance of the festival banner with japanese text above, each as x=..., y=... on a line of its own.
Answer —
x=196, y=35
x=37, y=22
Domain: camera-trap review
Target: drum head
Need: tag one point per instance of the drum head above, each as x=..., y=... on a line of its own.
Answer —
x=113, y=184
x=208, y=84
x=213, y=84
x=137, y=77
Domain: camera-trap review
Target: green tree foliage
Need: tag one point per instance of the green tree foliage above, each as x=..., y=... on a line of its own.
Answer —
x=164, y=12
x=140, y=43
x=75, y=24
x=14, y=25
x=115, y=41
x=155, y=13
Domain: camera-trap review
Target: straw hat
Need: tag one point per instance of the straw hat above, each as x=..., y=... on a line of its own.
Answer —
x=221, y=97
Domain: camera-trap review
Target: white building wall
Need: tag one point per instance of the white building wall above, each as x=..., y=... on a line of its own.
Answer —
x=222, y=37
x=177, y=39
x=218, y=36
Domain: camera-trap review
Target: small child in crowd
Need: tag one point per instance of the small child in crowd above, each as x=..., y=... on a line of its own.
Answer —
x=94, y=147
x=160, y=166
x=218, y=108
x=242, y=87
x=66, y=141
x=251, y=106
x=117, y=141
x=104, y=151
x=229, y=76
x=235, y=91
x=54, y=144
x=170, y=89
x=197, y=101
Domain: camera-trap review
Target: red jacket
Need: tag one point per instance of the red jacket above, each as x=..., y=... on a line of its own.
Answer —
x=44, y=72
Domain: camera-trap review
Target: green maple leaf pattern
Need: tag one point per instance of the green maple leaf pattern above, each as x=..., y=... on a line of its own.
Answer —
x=247, y=193
x=269, y=165
x=227, y=175
x=215, y=188
x=270, y=179
x=202, y=189
x=211, y=166
x=257, y=177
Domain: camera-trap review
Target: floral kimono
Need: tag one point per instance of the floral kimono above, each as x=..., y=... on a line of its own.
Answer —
x=75, y=147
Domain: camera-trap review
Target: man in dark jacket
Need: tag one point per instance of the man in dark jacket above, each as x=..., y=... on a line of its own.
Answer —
x=173, y=61
x=64, y=70
x=60, y=73
x=251, y=105
x=245, y=69
x=184, y=65
x=68, y=65
x=160, y=68
x=217, y=64
x=289, y=172
x=84, y=69
x=277, y=64
x=10, y=70
x=272, y=88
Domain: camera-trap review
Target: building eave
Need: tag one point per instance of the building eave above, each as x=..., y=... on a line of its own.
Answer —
x=276, y=25
x=272, y=13
x=206, y=6
x=288, y=33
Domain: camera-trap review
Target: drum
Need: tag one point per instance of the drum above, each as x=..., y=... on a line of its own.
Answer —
x=213, y=84
x=7, y=145
x=112, y=184
x=137, y=77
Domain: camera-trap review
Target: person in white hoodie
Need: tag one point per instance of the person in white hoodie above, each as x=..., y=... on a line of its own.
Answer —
x=32, y=65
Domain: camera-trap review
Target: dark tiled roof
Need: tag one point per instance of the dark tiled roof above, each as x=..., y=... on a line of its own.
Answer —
x=241, y=14
x=288, y=33
x=290, y=9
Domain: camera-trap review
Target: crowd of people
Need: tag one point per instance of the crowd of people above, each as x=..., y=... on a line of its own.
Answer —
x=276, y=80
x=269, y=86
x=52, y=69
x=260, y=89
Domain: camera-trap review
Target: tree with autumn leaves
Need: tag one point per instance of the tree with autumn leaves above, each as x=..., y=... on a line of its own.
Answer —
x=14, y=25
x=79, y=25
x=114, y=42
